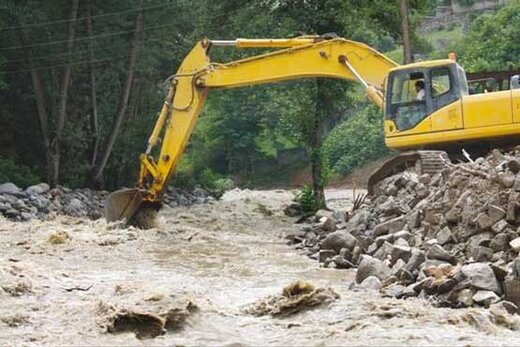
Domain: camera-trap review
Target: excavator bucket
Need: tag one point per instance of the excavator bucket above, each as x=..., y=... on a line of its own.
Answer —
x=127, y=205
x=122, y=205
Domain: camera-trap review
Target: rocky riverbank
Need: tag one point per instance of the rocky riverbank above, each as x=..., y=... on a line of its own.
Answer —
x=42, y=202
x=453, y=237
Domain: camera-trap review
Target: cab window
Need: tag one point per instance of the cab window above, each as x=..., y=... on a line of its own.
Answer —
x=408, y=105
x=442, y=88
x=441, y=82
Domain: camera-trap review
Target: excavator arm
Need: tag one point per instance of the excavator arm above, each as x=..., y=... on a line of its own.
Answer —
x=302, y=57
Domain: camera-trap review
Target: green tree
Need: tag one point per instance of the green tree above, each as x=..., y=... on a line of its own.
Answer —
x=492, y=42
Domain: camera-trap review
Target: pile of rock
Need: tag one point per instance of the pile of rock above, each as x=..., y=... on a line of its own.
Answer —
x=453, y=235
x=40, y=200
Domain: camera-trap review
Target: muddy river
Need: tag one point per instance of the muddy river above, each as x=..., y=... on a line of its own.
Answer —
x=222, y=257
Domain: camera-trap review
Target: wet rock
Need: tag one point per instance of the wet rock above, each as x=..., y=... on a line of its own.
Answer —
x=370, y=266
x=465, y=297
x=340, y=262
x=338, y=240
x=393, y=291
x=371, y=282
x=508, y=306
x=9, y=188
x=439, y=253
x=485, y=297
x=481, y=276
x=325, y=254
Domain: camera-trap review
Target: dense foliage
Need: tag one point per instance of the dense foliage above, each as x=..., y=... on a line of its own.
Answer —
x=492, y=43
x=81, y=83
x=356, y=141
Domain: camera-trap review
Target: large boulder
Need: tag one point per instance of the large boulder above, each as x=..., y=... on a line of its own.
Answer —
x=481, y=276
x=37, y=189
x=338, y=240
x=9, y=188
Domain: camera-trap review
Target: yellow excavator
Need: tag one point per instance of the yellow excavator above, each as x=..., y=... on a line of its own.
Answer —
x=427, y=108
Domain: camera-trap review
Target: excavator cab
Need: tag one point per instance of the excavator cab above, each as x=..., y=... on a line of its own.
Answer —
x=416, y=91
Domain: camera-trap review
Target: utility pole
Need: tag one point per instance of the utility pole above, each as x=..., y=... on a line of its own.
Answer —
x=405, y=31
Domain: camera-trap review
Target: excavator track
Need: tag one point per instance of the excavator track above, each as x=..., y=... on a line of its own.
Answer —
x=423, y=162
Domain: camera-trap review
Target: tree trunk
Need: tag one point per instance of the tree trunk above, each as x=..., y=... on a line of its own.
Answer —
x=54, y=156
x=405, y=31
x=316, y=140
x=123, y=104
x=43, y=116
x=94, y=129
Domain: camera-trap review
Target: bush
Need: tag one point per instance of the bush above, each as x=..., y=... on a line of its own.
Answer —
x=18, y=174
x=306, y=199
x=355, y=142
x=214, y=183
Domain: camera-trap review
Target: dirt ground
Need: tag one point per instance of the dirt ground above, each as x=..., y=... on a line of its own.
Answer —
x=190, y=281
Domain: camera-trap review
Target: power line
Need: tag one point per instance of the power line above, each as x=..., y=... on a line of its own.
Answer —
x=50, y=43
x=79, y=52
x=60, y=21
x=69, y=64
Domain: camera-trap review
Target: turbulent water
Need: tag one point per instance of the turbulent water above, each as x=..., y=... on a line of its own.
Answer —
x=222, y=257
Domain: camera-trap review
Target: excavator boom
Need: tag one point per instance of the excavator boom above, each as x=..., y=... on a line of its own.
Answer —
x=304, y=57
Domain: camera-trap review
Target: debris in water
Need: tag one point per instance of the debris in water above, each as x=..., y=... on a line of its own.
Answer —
x=295, y=297
x=59, y=237
x=145, y=324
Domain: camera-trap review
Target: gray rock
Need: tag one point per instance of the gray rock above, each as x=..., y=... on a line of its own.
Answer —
x=371, y=267
x=389, y=227
x=26, y=216
x=465, y=297
x=514, y=165
x=515, y=244
x=483, y=221
x=482, y=254
x=508, y=306
x=500, y=242
x=506, y=180
x=371, y=282
x=338, y=240
x=416, y=259
x=325, y=254
x=499, y=226
x=75, y=208
x=439, y=253
x=393, y=291
x=496, y=213
x=401, y=252
x=485, y=297
x=12, y=213
x=9, y=188
x=4, y=206
x=481, y=276
x=444, y=236
x=38, y=189
x=380, y=240
x=341, y=262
